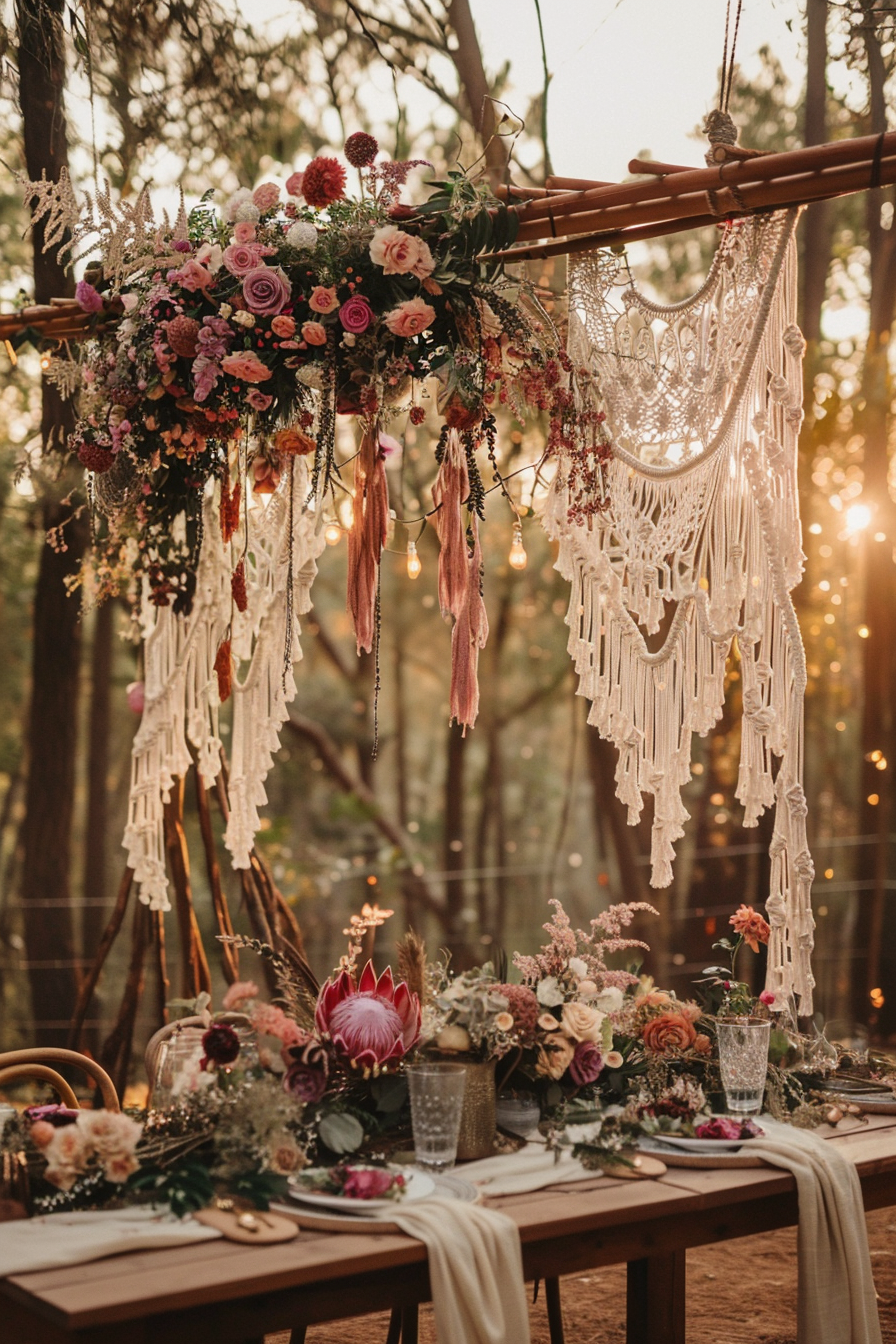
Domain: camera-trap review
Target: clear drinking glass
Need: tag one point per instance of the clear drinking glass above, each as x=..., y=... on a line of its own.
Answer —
x=437, y=1097
x=743, y=1061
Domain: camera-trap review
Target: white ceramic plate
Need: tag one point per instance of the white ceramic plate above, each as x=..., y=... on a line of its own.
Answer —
x=701, y=1145
x=419, y=1186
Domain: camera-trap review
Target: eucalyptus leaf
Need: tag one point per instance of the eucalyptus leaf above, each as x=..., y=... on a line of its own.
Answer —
x=341, y=1132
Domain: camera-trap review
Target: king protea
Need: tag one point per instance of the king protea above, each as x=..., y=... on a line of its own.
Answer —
x=372, y=1024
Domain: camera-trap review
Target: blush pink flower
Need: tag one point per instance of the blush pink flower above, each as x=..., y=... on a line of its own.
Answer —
x=266, y=196
x=247, y=367
x=259, y=401
x=315, y=333
x=266, y=290
x=323, y=299
x=356, y=315
x=244, y=232
x=283, y=325
x=410, y=318
x=191, y=276
x=367, y=1183
x=241, y=258
x=41, y=1133
x=87, y=297
x=396, y=251
x=119, y=1167
x=269, y=1020
x=370, y=1025
x=751, y=926
x=294, y=184
x=239, y=993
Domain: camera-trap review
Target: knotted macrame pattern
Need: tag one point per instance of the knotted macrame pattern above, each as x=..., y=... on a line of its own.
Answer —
x=697, y=545
x=181, y=689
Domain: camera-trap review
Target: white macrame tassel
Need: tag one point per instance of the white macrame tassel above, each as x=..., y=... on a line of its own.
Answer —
x=703, y=402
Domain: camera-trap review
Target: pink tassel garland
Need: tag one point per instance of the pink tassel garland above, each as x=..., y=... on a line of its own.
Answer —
x=370, y=522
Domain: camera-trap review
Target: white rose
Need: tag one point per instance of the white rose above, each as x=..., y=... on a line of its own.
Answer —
x=548, y=993
x=578, y=967
x=211, y=255
x=244, y=319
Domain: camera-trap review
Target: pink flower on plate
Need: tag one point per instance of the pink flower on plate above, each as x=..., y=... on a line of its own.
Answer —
x=266, y=290
x=367, y=1182
x=259, y=401
x=247, y=367
x=241, y=258
x=410, y=318
x=371, y=1024
x=87, y=297
x=266, y=196
x=356, y=315
x=239, y=993
x=323, y=299
x=244, y=232
x=315, y=333
x=719, y=1127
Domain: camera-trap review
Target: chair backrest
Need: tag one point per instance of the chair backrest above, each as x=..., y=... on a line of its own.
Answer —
x=46, y=1055
x=43, y=1074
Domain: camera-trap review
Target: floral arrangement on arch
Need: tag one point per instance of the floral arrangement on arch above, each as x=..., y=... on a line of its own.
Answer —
x=225, y=345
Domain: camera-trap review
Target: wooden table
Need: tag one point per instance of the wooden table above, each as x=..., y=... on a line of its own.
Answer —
x=223, y=1293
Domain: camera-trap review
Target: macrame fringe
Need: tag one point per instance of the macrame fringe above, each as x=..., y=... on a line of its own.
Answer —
x=460, y=580
x=370, y=525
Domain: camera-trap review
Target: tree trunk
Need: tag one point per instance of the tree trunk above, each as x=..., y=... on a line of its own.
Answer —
x=52, y=725
x=467, y=58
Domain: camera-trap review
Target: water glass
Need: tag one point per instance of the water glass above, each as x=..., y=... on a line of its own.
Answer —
x=437, y=1097
x=743, y=1061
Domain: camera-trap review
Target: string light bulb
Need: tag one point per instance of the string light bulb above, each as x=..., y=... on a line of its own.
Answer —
x=517, y=557
x=45, y=361
x=414, y=563
x=332, y=533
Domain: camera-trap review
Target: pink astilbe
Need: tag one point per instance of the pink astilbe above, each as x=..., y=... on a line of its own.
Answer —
x=367, y=537
x=593, y=947
x=451, y=488
x=467, y=638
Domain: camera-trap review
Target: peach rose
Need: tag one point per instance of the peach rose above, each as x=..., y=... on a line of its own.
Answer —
x=247, y=367
x=751, y=926
x=120, y=1167
x=702, y=1044
x=283, y=325
x=581, y=1022
x=266, y=196
x=244, y=232
x=42, y=1133
x=410, y=318
x=668, y=1032
x=396, y=251
x=554, y=1056
x=293, y=443
x=323, y=299
x=656, y=998
x=315, y=333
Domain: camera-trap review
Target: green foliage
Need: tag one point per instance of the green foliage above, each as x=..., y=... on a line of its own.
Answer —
x=341, y=1132
x=186, y=1186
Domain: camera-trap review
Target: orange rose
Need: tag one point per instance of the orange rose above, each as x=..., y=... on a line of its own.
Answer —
x=668, y=1032
x=750, y=925
x=293, y=443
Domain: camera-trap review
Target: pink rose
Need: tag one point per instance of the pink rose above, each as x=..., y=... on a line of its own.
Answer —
x=283, y=325
x=315, y=333
x=356, y=315
x=191, y=276
x=367, y=1183
x=425, y=264
x=767, y=997
x=323, y=299
x=294, y=184
x=244, y=232
x=266, y=290
x=87, y=297
x=136, y=695
x=247, y=367
x=241, y=258
x=410, y=318
x=259, y=401
x=396, y=251
x=266, y=196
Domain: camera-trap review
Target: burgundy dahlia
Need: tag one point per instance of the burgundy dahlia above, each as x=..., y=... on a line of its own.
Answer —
x=323, y=182
x=95, y=458
x=361, y=149
x=221, y=1045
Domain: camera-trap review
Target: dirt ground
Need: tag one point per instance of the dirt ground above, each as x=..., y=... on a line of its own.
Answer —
x=742, y=1292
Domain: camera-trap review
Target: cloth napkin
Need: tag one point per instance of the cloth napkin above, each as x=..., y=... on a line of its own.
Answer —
x=532, y=1168
x=836, y=1298
x=475, y=1270
x=56, y=1239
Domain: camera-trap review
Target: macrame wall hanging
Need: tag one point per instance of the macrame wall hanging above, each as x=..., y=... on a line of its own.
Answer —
x=678, y=522
x=240, y=640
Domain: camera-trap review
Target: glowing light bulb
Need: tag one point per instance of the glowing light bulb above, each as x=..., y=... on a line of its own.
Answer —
x=332, y=533
x=45, y=361
x=858, y=516
x=414, y=562
x=517, y=557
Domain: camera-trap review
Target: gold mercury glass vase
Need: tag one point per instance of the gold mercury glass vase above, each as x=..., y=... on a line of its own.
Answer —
x=477, y=1120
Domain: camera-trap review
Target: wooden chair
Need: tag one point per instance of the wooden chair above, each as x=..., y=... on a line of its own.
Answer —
x=36, y=1062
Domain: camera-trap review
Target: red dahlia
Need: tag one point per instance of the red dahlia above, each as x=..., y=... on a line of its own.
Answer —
x=220, y=1043
x=95, y=458
x=323, y=182
x=361, y=149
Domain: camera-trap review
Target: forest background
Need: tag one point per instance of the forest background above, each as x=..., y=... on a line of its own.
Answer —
x=464, y=837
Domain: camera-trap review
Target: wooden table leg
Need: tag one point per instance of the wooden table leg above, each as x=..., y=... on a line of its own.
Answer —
x=555, y=1310
x=656, y=1300
x=409, y=1325
x=394, y=1335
